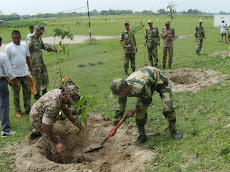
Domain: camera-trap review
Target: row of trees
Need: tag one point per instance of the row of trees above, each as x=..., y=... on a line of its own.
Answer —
x=15, y=16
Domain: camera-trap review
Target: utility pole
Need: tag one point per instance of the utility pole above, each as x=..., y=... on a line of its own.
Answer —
x=89, y=23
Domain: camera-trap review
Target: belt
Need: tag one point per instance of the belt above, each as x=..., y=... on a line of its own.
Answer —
x=2, y=78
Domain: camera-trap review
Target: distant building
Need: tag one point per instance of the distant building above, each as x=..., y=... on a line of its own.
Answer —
x=219, y=18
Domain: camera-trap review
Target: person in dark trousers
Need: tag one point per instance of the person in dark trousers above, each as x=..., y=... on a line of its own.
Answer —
x=6, y=76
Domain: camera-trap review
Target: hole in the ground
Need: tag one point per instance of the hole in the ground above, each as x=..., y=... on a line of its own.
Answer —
x=186, y=79
x=183, y=80
x=74, y=146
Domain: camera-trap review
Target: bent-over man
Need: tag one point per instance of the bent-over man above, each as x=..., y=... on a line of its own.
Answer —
x=46, y=110
x=142, y=84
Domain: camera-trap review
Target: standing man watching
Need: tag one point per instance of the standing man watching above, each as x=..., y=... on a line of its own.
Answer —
x=40, y=72
x=31, y=28
x=142, y=84
x=168, y=35
x=6, y=75
x=19, y=56
x=199, y=35
x=223, y=29
x=152, y=39
x=127, y=39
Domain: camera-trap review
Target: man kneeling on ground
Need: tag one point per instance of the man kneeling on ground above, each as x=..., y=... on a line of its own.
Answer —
x=45, y=112
x=142, y=84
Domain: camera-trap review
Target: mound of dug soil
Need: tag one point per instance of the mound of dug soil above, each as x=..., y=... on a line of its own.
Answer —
x=117, y=155
x=185, y=79
x=223, y=54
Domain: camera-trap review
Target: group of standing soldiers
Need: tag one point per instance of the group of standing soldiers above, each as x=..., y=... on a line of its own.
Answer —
x=152, y=40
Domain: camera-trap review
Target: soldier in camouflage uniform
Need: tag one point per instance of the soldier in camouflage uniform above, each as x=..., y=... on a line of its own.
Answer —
x=45, y=112
x=199, y=35
x=40, y=72
x=127, y=39
x=152, y=39
x=142, y=84
x=168, y=35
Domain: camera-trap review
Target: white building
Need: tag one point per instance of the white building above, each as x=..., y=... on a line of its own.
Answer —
x=219, y=18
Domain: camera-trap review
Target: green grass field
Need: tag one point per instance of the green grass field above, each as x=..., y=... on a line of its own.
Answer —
x=202, y=117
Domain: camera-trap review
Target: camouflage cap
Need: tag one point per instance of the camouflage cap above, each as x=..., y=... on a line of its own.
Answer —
x=41, y=28
x=126, y=22
x=150, y=21
x=117, y=86
x=72, y=91
x=200, y=21
x=167, y=22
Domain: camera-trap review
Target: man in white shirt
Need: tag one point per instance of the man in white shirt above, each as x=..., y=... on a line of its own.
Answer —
x=31, y=28
x=18, y=54
x=223, y=30
x=6, y=75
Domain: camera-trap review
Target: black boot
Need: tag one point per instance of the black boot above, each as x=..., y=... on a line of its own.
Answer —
x=126, y=73
x=142, y=136
x=170, y=67
x=156, y=65
x=151, y=63
x=163, y=65
x=175, y=135
x=36, y=96
x=141, y=139
x=133, y=69
x=197, y=53
x=43, y=92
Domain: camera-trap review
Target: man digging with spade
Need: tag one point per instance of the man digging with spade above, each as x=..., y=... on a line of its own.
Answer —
x=45, y=112
x=142, y=84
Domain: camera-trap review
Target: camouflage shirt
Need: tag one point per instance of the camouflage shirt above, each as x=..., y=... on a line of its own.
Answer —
x=127, y=37
x=152, y=36
x=143, y=83
x=46, y=109
x=36, y=45
x=199, y=32
x=168, y=36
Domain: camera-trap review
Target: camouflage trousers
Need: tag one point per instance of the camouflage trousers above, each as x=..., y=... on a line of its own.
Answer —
x=199, y=44
x=41, y=78
x=152, y=52
x=130, y=57
x=168, y=110
x=25, y=83
x=170, y=51
x=50, y=147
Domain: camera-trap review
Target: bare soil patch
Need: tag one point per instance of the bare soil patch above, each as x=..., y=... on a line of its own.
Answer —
x=185, y=37
x=185, y=79
x=223, y=54
x=117, y=155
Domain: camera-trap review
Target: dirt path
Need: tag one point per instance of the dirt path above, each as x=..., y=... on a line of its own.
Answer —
x=117, y=155
x=77, y=39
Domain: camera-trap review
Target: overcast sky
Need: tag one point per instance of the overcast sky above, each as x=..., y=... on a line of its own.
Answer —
x=53, y=6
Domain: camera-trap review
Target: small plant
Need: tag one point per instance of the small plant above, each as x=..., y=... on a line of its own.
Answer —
x=136, y=28
x=62, y=33
x=172, y=10
x=81, y=105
